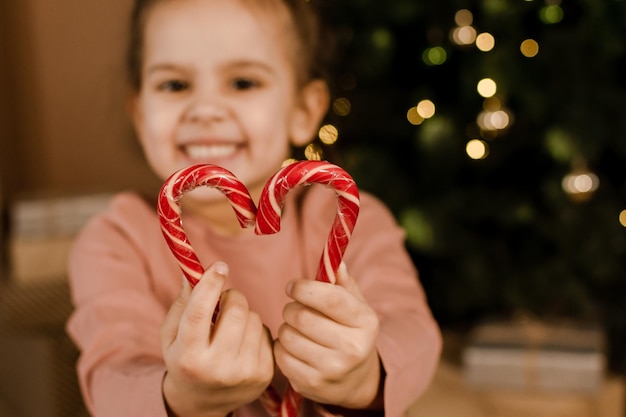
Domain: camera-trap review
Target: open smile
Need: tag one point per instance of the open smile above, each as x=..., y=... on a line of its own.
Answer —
x=213, y=151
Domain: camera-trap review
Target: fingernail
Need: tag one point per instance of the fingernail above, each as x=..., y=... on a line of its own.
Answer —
x=221, y=268
x=289, y=287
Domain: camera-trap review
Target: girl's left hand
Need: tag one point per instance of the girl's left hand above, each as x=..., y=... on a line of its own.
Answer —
x=326, y=346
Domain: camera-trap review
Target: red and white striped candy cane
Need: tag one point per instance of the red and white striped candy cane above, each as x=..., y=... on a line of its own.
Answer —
x=305, y=173
x=169, y=210
x=268, y=221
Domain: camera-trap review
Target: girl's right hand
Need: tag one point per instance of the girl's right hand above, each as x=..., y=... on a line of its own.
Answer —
x=213, y=369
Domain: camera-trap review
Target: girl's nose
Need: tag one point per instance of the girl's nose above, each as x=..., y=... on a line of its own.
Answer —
x=204, y=111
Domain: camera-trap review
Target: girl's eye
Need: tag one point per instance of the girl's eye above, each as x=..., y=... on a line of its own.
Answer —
x=174, y=86
x=244, y=84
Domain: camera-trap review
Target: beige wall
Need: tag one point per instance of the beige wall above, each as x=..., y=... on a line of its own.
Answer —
x=63, y=125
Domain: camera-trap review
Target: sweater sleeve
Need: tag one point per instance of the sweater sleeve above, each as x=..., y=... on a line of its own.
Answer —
x=116, y=321
x=409, y=342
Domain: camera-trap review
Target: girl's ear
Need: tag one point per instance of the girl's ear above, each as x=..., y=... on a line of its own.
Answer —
x=310, y=110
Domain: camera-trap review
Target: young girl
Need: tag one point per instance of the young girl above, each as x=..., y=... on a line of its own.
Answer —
x=236, y=83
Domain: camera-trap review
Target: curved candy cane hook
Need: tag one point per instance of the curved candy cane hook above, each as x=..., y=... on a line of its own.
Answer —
x=305, y=173
x=169, y=210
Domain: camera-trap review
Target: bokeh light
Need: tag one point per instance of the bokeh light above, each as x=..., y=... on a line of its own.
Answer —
x=463, y=35
x=288, y=162
x=426, y=109
x=487, y=87
x=485, y=42
x=342, y=106
x=550, y=14
x=438, y=130
x=580, y=185
x=463, y=17
x=313, y=152
x=413, y=117
x=382, y=38
x=328, y=134
x=477, y=149
x=560, y=145
x=419, y=228
x=435, y=56
x=529, y=48
x=493, y=120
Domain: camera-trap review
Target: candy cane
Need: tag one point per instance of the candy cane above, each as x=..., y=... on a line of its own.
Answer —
x=266, y=221
x=169, y=210
x=305, y=173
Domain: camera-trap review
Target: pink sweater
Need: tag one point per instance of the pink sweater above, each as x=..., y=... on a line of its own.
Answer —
x=124, y=279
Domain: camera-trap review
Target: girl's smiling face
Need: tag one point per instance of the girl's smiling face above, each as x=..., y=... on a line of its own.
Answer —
x=219, y=86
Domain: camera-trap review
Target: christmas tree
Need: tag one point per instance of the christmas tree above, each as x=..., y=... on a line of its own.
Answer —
x=496, y=132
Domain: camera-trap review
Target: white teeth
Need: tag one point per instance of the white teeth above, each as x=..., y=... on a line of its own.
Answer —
x=209, y=151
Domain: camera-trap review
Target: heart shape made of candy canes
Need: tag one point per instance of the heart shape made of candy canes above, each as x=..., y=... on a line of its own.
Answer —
x=266, y=220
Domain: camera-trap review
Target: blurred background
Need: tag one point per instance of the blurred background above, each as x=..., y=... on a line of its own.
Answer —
x=495, y=130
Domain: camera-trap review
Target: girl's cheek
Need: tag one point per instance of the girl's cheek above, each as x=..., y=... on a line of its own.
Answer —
x=159, y=121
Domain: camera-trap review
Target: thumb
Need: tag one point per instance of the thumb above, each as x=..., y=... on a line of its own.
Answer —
x=345, y=280
x=169, y=328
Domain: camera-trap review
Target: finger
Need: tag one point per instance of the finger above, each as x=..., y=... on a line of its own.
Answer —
x=300, y=346
x=256, y=337
x=169, y=327
x=256, y=347
x=232, y=322
x=293, y=361
x=312, y=324
x=345, y=280
x=196, y=320
x=333, y=301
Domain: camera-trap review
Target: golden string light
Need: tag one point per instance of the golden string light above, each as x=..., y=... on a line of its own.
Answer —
x=463, y=17
x=487, y=87
x=313, y=152
x=580, y=183
x=463, y=35
x=342, y=106
x=494, y=117
x=413, y=117
x=477, y=149
x=584, y=182
x=493, y=120
x=426, y=109
x=485, y=42
x=529, y=48
x=328, y=134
